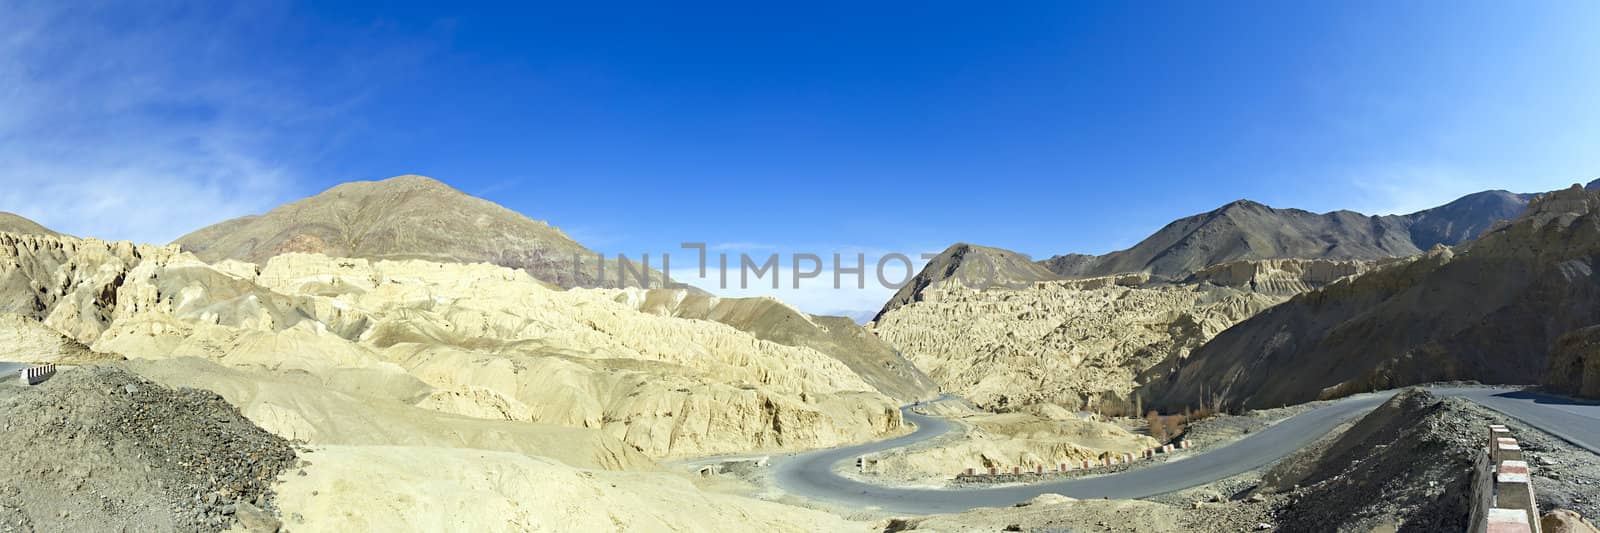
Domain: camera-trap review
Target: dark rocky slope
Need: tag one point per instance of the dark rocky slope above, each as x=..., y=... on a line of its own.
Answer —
x=1574, y=365
x=1245, y=230
x=972, y=266
x=1490, y=312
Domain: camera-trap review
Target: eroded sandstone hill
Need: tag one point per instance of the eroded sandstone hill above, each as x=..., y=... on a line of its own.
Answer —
x=1079, y=344
x=1490, y=312
x=1086, y=343
x=409, y=217
x=469, y=340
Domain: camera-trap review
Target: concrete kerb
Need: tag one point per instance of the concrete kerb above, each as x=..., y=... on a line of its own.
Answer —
x=37, y=374
x=1502, y=500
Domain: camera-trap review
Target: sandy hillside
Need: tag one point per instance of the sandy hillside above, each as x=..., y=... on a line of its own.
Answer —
x=376, y=488
x=475, y=340
x=477, y=385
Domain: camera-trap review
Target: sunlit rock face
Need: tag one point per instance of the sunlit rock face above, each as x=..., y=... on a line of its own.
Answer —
x=483, y=340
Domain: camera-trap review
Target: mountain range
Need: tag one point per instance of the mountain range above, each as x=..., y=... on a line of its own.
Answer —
x=1489, y=310
x=1242, y=230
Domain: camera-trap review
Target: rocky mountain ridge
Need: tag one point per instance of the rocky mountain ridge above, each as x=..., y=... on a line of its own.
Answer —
x=1491, y=312
x=1244, y=230
x=412, y=217
x=1187, y=250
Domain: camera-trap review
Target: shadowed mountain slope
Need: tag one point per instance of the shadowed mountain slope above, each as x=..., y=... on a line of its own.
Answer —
x=971, y=266
x=1490, y=312
x=1245, y=230
x=1239, y=233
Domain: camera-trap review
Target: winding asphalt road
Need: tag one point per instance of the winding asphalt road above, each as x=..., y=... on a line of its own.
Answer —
x=811, y=474
x=1577, y=422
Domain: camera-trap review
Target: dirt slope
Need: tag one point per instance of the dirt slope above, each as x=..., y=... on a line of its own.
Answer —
x=1407, y=466
x=98, y=449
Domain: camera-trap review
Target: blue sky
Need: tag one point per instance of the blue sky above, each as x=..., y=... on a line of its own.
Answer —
x=1044, y=127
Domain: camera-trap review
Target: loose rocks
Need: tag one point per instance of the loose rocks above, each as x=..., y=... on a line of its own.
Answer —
x=100, y=449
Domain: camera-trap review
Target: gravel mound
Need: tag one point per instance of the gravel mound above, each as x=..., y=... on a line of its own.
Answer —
x=100, y=449
x=1407, y=466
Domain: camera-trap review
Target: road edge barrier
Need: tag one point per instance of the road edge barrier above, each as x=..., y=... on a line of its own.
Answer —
x=35, y=375
x=1502, y=487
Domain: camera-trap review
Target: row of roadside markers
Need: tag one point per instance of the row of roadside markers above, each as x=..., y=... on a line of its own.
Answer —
x=1086, y=464
x=37, y=374
x=1512, y=508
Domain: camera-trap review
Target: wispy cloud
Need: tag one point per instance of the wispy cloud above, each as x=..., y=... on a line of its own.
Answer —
x=1406, y=189
x=147, y=121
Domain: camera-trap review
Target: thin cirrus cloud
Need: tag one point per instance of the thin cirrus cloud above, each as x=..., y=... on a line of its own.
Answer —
x=144, y=123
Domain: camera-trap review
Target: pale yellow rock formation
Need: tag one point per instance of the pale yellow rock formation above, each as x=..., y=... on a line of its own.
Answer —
x=339, y=408
x=1047, y=435
x=1079, y=343
x=487, y=341
x=26, y=340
